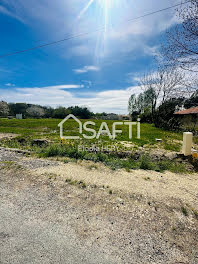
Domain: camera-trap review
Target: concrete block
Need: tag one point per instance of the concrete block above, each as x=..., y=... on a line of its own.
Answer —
x=187, y=143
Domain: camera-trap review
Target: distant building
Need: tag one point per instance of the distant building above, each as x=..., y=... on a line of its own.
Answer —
x=110, y=116
x=19, y=116
x=188, y=118
x=124, y=117
x=190, y=111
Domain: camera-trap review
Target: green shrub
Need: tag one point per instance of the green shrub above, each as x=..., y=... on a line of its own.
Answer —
x=111, y=160
x=146, y=164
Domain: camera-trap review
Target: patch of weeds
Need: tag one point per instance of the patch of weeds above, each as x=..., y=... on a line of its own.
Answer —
x=73, y=182
x=146, y=163
x=68, y=180
x=83, y=185
x=173, y=166
x=195, y=139
x=51, y=176
x=174, y=228
x=147, y=178
x=76, y=183
x=92, y=167
x=91, y=157
x=67, y=161
x=184, y=211
x=110, y=192
x=132, y=196
x=112, y=160
x=10, y=165
x=172, y=146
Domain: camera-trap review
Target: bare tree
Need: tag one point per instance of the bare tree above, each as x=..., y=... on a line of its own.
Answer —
x=171, y=82
x=162, y=85
x=181, y=46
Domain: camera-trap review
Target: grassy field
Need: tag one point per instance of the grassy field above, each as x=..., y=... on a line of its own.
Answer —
x=29, y=129
x=48, y=128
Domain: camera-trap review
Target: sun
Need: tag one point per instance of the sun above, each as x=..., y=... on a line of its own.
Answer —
x=105, y=13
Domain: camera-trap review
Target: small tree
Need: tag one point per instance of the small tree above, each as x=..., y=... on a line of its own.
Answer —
x=81, y=112
x=35, y=111
x=61, y=112
x=4, y=109
x=164, y=116
x=18, y=108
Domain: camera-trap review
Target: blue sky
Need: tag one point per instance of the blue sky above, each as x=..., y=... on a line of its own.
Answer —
x=98, y=70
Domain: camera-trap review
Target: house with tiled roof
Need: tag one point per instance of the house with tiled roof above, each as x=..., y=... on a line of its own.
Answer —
x=188, y=118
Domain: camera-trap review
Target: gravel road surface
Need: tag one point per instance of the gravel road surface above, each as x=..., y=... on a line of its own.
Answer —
x=44, y=219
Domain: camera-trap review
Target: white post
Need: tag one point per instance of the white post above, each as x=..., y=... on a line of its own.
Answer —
x=187, y=143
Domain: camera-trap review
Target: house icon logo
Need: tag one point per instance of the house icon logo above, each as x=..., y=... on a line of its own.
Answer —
x=62, y=123
x=104, y=129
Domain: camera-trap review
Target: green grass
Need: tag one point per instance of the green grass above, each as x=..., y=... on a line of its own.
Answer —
x=48, y=128
x=29, y=129
x=173, y=146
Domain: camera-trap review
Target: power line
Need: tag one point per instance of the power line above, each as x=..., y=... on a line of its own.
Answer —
x=87, y=33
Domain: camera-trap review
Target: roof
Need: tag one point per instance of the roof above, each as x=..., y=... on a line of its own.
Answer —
x=193, y=110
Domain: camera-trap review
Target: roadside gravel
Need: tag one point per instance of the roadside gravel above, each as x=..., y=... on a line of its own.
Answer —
x=47, y=220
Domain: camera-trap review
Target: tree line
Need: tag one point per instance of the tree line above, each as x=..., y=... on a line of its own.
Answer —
x=38, y=111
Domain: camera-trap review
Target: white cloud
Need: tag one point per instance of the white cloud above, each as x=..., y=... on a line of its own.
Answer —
x=10, y=84
x=54, y=19
x=64, y=86
x=6, y=12
x=151, y=50
x=86, y=69
x=110, y=101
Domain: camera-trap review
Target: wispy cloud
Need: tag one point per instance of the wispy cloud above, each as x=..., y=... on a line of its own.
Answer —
x=57, y=18
x=51, y=88
x=9, y=13
x=87, y=69
x=10, y=84
x=64, y=86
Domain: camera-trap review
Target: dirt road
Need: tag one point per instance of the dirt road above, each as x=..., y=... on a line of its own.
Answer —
x=47, y=219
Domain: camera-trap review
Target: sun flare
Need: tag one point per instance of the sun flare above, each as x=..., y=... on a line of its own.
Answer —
x=105, y=5
x=104, y=14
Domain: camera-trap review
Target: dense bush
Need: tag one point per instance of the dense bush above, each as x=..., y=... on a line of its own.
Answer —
x=164, y=116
